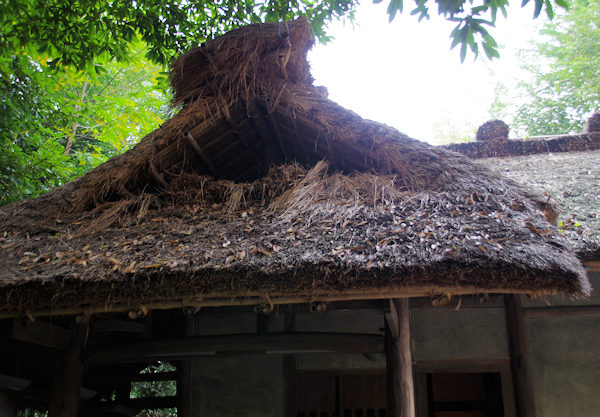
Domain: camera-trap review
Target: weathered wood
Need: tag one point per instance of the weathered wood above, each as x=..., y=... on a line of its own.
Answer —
x=460, y=365
x=8, y=405
x=184, y=374
x=593, y=266
x=41, y=333
x=13, y=383
x=65, y=390
x=222, y=300
x=123, y=326
x=116, y=378
x=196, y=147
x=501, y=366
x=562, y=311
x=458, y=302
x=519, y=357
x=150, y=403
x=289, y=370
x=401, y=391
x=272, y=343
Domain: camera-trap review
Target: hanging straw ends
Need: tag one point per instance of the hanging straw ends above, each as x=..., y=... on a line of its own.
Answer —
x=227, y=64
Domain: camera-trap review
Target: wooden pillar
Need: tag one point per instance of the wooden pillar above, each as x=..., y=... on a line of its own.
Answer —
x=8, y=407
x=289, y=370
x=184, y=373
x=400, y=384
x=519, y=357
x=65, y=390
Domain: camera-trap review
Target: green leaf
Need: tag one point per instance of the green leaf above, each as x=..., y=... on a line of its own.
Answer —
x=463, y=52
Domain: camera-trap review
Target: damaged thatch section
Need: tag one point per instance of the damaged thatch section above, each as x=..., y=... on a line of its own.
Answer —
x=260, y=187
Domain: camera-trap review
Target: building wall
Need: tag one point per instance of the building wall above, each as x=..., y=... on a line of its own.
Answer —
x=565, y=358
x=565, y=354
x=467, y=333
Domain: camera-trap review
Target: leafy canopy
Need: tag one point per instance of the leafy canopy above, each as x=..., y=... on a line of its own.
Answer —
x=56, y=124
x=563, y=83
x=76, y=33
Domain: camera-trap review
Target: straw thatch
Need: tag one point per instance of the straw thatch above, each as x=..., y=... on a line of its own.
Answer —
x=530, y=146
x=492, y=131
x=260, y=188
x=570, y=180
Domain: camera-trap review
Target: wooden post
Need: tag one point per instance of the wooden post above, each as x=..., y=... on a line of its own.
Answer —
x=401, y=390
x=289, y=370
x=8, y=406
x=184, y=374
x=66, y=385
x=519, y=357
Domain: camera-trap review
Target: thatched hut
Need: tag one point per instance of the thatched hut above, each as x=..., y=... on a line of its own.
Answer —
x=223, y=233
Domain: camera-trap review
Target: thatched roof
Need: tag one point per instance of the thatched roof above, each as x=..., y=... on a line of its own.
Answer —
x=563, y=168
x=569, y=180
x=261, y=190
x=535, y=145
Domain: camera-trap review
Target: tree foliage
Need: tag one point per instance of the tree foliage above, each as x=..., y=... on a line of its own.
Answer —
x=78, y=79
x=78, y=33
x=564, y=76
x=56, y=125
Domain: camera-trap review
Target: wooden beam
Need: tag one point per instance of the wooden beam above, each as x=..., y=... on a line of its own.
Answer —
x=458, y=302
x=13, y=383
x=65, y=390
x=593, y=266
x=519, y=357
x=149, y=403
x=200, y=152
x=8, y=404
x=123, y=326
x=41, y=333
x=272, y=343
x=562, y=311
x=115, y=378
x=401, y=391
x=223, y=299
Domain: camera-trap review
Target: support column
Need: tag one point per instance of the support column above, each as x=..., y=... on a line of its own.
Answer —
x=401, y=391
x=65, y=391
x=8, y=406
x=289, y=370
x=184, y=373
x=519, y=357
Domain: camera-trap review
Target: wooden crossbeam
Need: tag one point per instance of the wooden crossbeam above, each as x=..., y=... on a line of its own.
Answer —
x=562, y=311
x=272, y=343
x=41, y=333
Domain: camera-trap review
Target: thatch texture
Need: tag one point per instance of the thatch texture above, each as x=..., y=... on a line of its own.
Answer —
x=261, y=187
x=529, y=146
x=570, y=181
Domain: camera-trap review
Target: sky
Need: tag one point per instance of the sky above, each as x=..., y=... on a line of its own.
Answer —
x=404, y=74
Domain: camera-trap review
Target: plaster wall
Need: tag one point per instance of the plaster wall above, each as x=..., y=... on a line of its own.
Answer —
x=238, y=385
x=467, y=333
x=253, y=385
x=565, y=359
